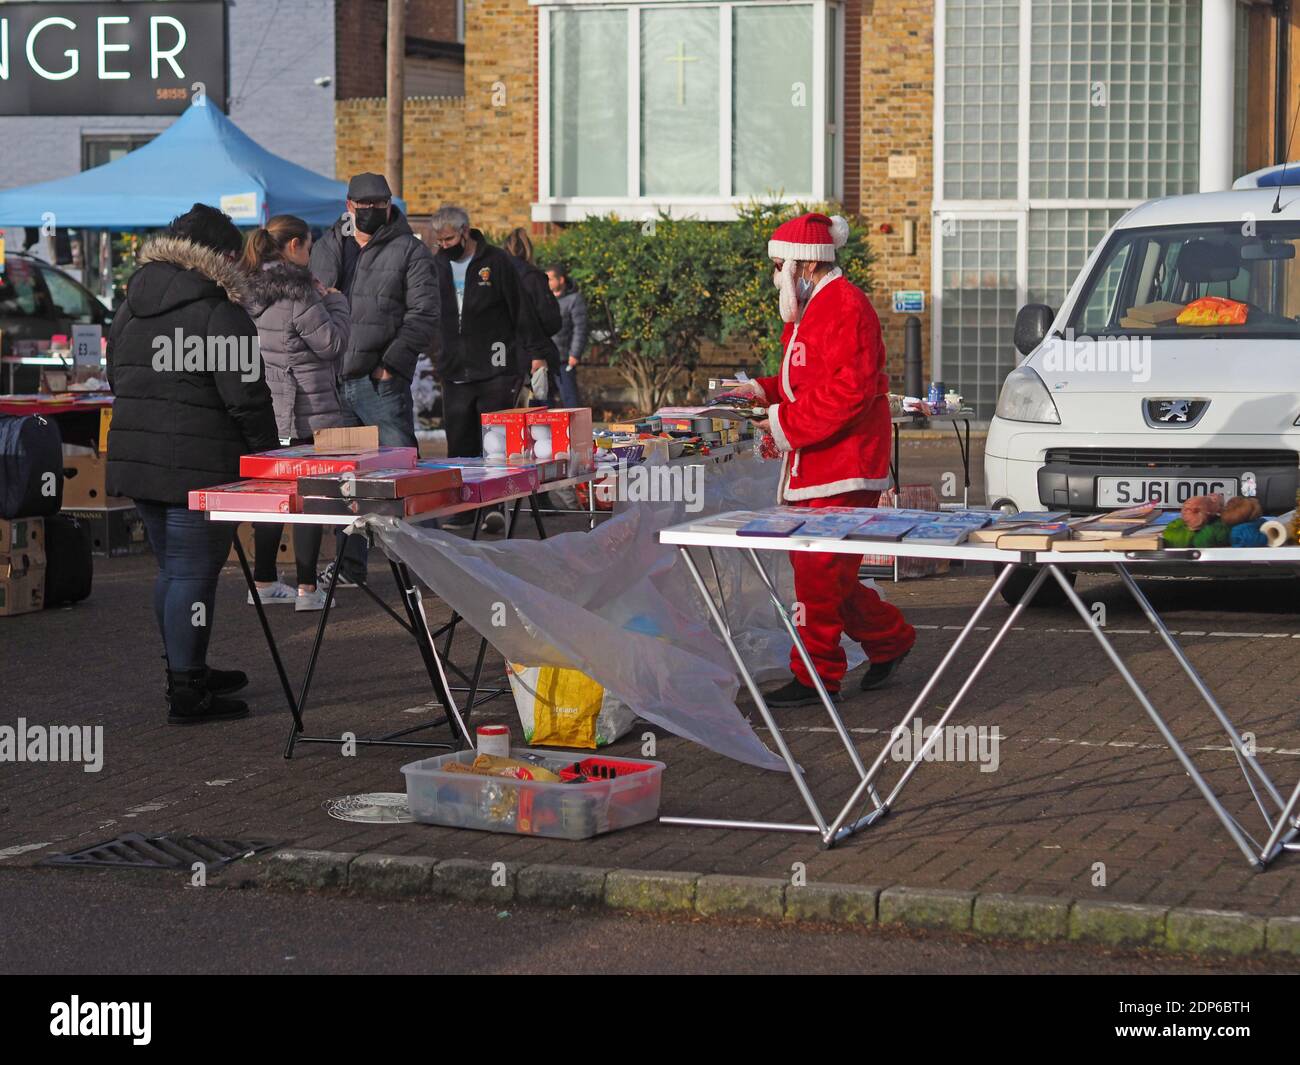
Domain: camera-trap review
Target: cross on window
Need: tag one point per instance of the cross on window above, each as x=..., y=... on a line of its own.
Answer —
x=681, y=59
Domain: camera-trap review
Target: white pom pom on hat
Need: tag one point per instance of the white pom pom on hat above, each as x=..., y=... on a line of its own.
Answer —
x=809, y=238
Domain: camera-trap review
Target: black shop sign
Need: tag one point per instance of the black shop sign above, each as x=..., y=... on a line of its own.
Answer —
x=146, y=58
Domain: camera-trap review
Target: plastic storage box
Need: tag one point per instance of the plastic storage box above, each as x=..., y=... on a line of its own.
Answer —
x=534, y=808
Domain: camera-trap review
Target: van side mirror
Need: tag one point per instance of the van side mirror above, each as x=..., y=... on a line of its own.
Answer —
x=1033, y=323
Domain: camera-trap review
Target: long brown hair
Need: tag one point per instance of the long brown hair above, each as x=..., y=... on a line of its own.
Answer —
x=267, y=243
x=518, y=244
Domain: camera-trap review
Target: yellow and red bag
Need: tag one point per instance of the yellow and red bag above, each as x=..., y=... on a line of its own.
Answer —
x=1213, y=310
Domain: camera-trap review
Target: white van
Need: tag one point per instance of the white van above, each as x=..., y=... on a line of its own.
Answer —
x=1117, y=404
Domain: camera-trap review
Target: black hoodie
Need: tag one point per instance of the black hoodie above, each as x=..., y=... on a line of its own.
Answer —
x=176, y=429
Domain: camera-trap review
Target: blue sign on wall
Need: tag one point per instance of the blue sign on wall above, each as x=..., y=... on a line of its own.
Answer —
x=909, y=301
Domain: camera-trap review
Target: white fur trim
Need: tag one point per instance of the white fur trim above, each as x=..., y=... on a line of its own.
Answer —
x=788, y=249
x=834, y=488
x=778, y=434
x=839, y=230
x=189, y=255
x=789, y=299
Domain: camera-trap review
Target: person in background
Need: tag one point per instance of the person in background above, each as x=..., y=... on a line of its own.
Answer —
x=372, y=256
x=571, y=338
x=176, y=430
x=534, y=283
x=304, y=330
x=492, y=342
x=828, y=412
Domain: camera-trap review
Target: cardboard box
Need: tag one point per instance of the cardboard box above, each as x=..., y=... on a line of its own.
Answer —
x=505, y=434
x=290, y=463
x=22, y=584
x=286, y=555
x=18, y=535
x=346, y=440
x=271, y=497
x=381, y=484
x=562, y=433
x=114, y=531
x=83, y=482
x=396, y=508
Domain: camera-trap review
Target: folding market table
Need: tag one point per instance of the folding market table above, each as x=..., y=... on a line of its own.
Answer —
x=1279, y=813
x=963, y=445
x=416, y=623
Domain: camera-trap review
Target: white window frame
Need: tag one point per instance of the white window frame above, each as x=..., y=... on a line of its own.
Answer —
x=718, y=208
x=943, y=209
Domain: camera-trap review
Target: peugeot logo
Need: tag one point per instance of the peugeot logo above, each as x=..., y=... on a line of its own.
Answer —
x=1163, y=413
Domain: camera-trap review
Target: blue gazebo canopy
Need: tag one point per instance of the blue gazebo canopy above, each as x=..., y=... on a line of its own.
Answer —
x=203, y=157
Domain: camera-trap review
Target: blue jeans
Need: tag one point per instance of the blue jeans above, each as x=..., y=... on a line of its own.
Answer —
x=190, y=551
x=386, y=404
x=569, y=385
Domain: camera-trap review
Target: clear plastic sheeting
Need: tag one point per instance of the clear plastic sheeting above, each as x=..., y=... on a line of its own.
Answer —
x=621, y=607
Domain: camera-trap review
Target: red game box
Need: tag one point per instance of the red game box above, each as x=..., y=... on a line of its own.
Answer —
x=381, y=484
x=306, y=461
x=271, y=497
x=395, y=508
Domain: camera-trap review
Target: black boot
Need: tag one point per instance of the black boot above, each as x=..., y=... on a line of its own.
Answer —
x=880, y=672
x=191, y=702
x=226, y=681
x=795, y=693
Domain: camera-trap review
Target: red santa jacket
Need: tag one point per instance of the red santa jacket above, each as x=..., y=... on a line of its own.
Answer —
x=829, y=405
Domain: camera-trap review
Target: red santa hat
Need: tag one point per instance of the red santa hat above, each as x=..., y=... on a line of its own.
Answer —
x=809, y=238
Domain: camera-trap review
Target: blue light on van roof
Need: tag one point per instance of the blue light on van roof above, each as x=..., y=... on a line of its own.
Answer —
x=1284, y=176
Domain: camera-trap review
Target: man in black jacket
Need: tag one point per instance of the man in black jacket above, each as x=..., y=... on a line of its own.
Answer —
x=373, y=258
x=491, y=342
x=190, y=399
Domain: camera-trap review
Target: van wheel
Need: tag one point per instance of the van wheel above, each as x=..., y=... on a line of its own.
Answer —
x=1049, y=593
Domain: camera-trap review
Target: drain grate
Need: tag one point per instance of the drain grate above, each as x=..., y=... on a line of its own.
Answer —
x=170, y=850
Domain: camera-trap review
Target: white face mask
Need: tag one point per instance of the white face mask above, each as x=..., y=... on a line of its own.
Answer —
x=804, y=288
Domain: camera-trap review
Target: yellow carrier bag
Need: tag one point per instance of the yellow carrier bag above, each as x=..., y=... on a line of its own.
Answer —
x=561, y=707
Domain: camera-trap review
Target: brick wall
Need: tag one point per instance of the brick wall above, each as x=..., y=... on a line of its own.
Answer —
x=361, y=27
x=897, y=118
x=478, y=150
x=434, y=20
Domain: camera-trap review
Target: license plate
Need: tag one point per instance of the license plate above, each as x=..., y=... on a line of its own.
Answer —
x=1162, y=491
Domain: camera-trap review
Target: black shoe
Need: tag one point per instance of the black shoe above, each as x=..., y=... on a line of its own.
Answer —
x=191, y=702
x=349, y=577
x=226, y=681
x=878, y=673
x=794, y=693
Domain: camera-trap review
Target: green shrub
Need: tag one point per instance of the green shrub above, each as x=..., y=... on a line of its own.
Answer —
x=656, y=290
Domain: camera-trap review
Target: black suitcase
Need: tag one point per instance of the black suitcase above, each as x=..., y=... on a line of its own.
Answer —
x=69, y=568
x=31, y=466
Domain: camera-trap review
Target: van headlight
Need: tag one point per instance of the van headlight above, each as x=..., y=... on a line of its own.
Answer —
x=1025, y=398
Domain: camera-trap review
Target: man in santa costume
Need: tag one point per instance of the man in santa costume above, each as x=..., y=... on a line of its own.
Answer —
x=828, y=412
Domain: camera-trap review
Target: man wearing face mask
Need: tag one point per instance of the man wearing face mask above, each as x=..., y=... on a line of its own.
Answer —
x=386, y=272
x=828, y=412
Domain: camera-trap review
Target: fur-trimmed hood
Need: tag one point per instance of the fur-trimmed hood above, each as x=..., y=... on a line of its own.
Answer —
x=278, y=281
x=175, y=271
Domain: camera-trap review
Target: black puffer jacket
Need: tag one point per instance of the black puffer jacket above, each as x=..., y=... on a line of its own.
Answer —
x=394, y=298
x=174, y=428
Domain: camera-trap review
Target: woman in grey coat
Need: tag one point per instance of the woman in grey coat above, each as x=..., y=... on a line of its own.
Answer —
x=303, y=330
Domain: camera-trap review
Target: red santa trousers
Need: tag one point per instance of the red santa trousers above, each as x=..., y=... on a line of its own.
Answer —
x=834, y=601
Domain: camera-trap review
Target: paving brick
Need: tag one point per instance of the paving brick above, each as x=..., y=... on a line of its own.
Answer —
x=1022, y=916
x=389, y=874
x=832, y=903
x=475, y=881
x=1214, y=932
x=1118, y=924
x=308, y=869
x=927, y=908
x=659, y=891
x=561, y=885
x=1282, y=936
x=740, y=896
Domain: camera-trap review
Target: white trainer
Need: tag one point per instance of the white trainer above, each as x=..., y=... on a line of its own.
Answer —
x=311, y=600
x=279, y=592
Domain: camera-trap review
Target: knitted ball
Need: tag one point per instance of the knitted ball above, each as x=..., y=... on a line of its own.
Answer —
x=1215, y=534
x=1248, y=534
x=1239, y=509
x=1177, y=534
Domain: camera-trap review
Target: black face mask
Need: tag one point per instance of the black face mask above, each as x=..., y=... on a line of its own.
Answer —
x=455, y=252
x=371, y=219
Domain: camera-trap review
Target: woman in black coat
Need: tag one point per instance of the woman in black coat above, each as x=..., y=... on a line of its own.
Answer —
x=190, y=399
